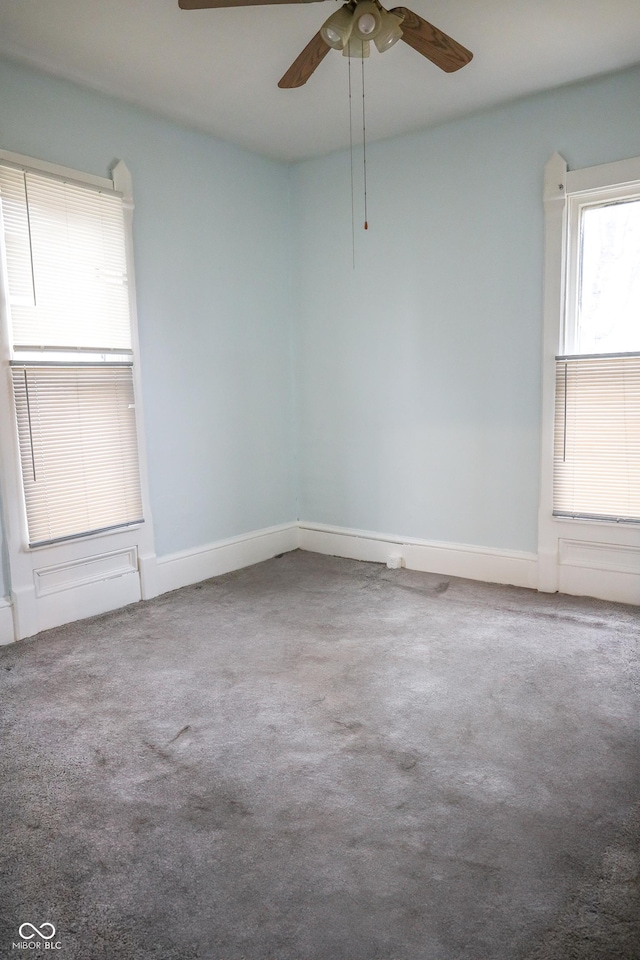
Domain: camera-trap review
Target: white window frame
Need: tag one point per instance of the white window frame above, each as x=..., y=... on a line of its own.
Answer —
x=598, y=558
x=61, y=582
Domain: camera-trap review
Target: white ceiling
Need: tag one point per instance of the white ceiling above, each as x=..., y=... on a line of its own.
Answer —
x=218, y=70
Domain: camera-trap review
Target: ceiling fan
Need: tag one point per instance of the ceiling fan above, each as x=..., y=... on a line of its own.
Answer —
x=352, y=28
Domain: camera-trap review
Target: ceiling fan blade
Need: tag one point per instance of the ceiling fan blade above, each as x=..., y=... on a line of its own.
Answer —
x=432, y=43
x=304, y=65
x=210, y=4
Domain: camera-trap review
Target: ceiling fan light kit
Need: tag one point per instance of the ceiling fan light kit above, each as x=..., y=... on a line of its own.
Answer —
x=352, y=27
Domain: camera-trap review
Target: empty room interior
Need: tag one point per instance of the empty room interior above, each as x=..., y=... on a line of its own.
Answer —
x=320, y=480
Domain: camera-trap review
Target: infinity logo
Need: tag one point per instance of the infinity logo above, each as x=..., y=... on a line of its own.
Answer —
x=36, y=933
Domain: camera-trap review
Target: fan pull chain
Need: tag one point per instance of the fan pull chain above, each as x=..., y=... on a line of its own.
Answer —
x=353, y=216
x=364, y=151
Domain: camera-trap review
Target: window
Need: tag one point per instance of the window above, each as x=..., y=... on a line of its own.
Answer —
x=596, y=459
x=71, y=355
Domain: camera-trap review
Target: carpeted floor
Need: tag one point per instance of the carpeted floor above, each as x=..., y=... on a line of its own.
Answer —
x=319, y=759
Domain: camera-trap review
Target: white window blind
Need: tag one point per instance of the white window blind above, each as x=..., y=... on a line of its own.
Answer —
x=17, y=242
x=72, y=359
x=597, y=437
x=78, y=448
x=66, y=263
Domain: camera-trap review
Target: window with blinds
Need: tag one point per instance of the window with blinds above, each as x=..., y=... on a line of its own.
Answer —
x=71, y=354
x=597, y=438
x=597, y=417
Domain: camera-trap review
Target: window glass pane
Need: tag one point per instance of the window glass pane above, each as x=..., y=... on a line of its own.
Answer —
x=609, y=298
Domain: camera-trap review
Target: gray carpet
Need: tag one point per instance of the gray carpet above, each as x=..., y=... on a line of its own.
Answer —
x=319, y=759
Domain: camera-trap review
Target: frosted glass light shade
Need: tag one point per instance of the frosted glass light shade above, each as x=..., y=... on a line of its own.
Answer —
x=389, y=33
x=337, y=29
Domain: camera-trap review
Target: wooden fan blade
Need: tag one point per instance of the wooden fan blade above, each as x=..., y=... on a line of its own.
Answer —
x=304, y=65
x=210, y=4
x=432, y=43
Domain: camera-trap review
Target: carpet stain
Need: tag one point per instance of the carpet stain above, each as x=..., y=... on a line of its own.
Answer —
x=353, y=726
x=158, y=751
x=405, y=761
x=179, y=733
x=213, y=810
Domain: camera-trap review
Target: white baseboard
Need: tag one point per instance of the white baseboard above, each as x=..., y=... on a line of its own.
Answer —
x=28, y=613
x=191, y=566
x=430, y=556
x=604, y=571
x=88, y=599
x=608, y=571
x=615, y=586
x=6, y=622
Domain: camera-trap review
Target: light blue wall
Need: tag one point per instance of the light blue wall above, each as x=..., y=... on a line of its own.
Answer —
x=418, y=373
x=213, y=284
